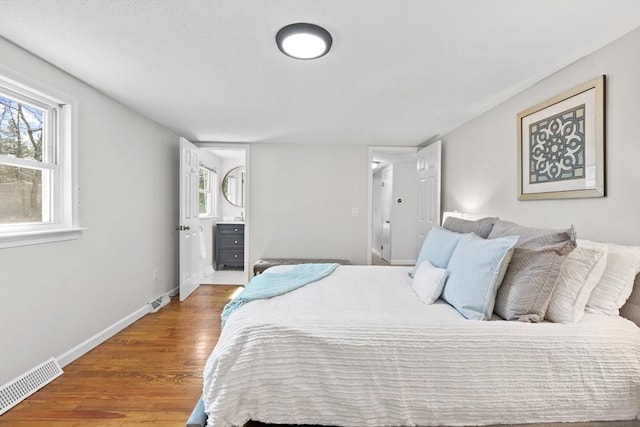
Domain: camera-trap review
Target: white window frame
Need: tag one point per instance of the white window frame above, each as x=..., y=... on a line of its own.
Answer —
x=213, y=183
x=63, y=112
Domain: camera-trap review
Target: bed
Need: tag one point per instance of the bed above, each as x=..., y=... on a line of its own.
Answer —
x=359, y=348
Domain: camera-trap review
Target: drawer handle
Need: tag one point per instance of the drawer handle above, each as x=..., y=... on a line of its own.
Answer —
x=236, y=256
x=236, y=229
x=236, y=242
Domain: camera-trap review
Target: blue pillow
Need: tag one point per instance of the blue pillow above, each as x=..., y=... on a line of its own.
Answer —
x=476, y=269
x=438, y=247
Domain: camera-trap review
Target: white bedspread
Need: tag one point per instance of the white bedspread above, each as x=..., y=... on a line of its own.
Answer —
x=358, y=348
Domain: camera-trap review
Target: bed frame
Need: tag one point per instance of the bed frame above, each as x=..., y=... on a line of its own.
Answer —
x=631, y=311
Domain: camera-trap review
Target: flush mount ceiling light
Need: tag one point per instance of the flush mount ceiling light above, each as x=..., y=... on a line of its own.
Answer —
x=304, y=41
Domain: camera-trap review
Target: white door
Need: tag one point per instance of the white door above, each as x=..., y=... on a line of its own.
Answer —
x=429, y=177
x=189, y=219
x=385, y=201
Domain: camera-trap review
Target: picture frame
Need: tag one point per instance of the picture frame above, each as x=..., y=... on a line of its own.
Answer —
x=561, y=145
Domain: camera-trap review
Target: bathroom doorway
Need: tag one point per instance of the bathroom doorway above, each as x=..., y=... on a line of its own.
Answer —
x=224, y=227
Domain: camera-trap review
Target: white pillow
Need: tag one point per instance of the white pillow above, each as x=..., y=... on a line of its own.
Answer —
x=580, y=272
x=616, y=284
x=428, y=282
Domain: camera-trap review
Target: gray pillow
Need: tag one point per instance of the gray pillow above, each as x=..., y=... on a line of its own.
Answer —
x=481, y=227
x=533, y=271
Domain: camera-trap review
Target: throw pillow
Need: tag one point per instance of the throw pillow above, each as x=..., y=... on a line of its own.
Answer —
x=533, y=270
x=579, y=274
x=481, y=227
x=428, y=282
x=476, y=269
x=616, y=284
x=438, y=247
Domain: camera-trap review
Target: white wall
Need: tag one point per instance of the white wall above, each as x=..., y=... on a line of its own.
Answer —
x=302, y=198
x=479, y=158
x=404, y=215
x=55, y=296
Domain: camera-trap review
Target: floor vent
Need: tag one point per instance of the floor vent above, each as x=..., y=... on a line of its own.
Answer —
x=159, y=302
x=26, y=384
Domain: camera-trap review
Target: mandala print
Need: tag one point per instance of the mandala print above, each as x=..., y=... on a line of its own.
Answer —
x=557, y=147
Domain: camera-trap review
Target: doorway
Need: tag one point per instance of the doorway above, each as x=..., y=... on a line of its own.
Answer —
x=224, y=231
x=392, y=206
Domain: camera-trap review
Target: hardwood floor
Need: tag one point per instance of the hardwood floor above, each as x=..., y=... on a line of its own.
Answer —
x=148, y=374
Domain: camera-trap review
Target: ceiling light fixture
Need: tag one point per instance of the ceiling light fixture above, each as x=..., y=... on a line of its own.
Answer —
x=304, y=41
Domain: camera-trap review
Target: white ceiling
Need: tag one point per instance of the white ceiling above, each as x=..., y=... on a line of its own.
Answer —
x=227, y=154
x=399, y=72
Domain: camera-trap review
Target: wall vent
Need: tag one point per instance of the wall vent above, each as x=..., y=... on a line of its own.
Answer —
x=159, y=302
x=28, y=383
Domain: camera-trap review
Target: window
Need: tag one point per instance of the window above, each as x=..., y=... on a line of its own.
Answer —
x=37, y=187
x=208, y=185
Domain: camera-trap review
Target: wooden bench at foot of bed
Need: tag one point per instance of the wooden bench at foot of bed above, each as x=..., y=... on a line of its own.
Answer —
x=264, y=263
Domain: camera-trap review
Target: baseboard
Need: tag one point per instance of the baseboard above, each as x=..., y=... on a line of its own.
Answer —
x=406, y=262
x=102, y=336
x=376, y=253
x=173, y=292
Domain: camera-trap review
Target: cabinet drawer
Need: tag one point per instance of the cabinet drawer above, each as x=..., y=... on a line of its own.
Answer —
x=231, y=256
x=228, y=245
x=231, y=241
x=230, y=228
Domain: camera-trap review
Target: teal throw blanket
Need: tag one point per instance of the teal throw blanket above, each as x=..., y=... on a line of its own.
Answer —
x=268, y=285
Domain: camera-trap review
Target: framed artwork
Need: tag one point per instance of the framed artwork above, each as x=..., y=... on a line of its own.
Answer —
x=561, y=145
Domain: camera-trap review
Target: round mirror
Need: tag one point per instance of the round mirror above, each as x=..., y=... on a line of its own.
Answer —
x=233, y=186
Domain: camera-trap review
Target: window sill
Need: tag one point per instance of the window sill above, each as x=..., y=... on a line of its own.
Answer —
x=10, y=240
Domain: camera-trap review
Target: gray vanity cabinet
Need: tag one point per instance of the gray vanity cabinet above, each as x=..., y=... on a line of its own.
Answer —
x=228, y=246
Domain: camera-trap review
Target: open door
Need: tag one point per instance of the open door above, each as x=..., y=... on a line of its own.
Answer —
x=429, y=177
x=189, y=219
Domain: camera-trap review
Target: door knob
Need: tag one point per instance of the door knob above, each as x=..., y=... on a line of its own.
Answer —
x=186, y=227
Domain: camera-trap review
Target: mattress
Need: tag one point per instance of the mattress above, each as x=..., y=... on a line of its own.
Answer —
x=358, y=348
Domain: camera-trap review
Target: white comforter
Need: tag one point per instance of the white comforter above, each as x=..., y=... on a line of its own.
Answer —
x=359, y=348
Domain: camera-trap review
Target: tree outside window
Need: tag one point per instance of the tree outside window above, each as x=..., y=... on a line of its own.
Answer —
x=38, y=161
x=207, y=188
x=22, y=153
